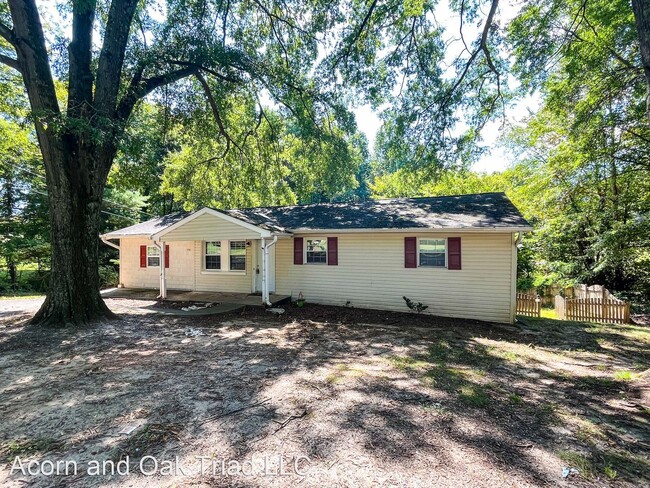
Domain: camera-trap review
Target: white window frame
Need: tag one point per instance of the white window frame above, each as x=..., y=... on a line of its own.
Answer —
x=204, y=253
x=155, y=248
x=243, y=271
x=327, y=251
x=224, y=254
x=444, y=239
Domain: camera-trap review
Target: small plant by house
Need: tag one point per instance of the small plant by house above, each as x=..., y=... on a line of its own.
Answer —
x=301, y=300
x=417, y=307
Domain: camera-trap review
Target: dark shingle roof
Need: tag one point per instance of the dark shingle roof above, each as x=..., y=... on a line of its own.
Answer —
x=481, y=210
x=492, y=210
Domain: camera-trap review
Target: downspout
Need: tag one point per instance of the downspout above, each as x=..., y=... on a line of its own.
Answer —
x=265, y=270
x=520, y=238
x=163, y=283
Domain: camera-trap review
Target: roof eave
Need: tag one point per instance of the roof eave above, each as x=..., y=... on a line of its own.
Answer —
x=414, y=229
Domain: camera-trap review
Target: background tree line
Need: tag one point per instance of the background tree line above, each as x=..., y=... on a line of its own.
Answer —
x=582, y=160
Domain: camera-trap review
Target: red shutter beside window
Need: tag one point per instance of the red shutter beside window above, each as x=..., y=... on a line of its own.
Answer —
x=410, y=252
x=143, y=256
x=453, y=253
x=166, y=255
x=333, y=251
x=297, y=250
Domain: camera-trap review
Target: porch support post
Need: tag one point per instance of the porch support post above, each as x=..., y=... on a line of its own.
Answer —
x=264, y=271
x=163, y=279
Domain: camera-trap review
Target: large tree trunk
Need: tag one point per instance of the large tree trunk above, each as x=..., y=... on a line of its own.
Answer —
x=75, y=200
x=641, y=10
x=8, y=214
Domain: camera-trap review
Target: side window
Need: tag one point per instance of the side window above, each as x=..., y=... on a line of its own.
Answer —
x=153, y=257
x=212, y=255
x=433, y=253
x=316, y=251
x=237, y=255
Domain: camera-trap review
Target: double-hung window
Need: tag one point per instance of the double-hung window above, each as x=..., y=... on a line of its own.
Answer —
x=433, y=253
x=316, y=251
x=153, y=257
x=212, y=255
x=238, y=255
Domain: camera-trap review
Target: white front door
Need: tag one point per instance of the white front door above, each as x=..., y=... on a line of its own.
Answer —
x=257, y=266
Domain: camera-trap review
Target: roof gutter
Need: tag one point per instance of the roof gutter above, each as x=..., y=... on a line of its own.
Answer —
x=414, y=230
x=109, y=243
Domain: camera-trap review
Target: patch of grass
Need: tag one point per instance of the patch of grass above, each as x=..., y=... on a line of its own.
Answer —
x=610, y=472
x=624, y=375
x=624, y=464
x=611, y=464
x=447, y=379
x=474, y=396
x=588, y=432
x=27, y=447
x=576, y=460
x=548, y=313
x=342, y=372
x=509, y=356
x=515, y=399
x=406, y=363
x=18, y=294
x=596, y=383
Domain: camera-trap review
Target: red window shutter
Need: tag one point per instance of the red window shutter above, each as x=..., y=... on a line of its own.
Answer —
x=333, y=251
x=143, y=256
x=297, y=250
x=166, y=255
x=410, y=252
x=453, y=253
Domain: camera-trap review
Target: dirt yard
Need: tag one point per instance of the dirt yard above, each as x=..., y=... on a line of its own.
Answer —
x=321, y=397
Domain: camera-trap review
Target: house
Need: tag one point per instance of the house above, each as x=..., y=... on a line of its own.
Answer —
x=456, y=254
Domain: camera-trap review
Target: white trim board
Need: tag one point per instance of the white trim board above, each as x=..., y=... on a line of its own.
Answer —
x=215, y=213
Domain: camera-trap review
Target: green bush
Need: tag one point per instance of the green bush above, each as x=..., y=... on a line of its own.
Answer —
x=108, y=277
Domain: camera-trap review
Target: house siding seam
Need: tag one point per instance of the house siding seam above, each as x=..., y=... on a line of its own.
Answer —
x=371, y=274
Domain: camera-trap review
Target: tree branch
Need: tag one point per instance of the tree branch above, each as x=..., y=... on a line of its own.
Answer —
x=33, y=60
x=7, y=34
x=80, y=91
x=356, y=37
x=482, y=47
x=11, y=62
x=139, y=88
x=217, y=115
x=199, y=66
x=111, y=58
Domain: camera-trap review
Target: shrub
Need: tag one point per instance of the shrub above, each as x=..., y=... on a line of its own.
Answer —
x=108, y=277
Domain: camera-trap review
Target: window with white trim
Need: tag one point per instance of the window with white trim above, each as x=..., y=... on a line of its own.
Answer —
x=316, y=251
x=212, y=255
x=153, y=257
x=433, y=252
x=238, y=255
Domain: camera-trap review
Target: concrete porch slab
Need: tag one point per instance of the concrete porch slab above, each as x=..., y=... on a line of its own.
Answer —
x=194, y=296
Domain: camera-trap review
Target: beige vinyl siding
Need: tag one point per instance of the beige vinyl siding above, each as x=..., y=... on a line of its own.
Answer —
x=208, y=227
x=232, y=281
x=371, y=274
x=180, y=274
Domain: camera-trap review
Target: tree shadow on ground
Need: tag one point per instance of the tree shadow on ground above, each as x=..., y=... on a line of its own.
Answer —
x=412, y=400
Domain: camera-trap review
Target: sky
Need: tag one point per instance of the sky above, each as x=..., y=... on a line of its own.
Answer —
x=496, y=158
